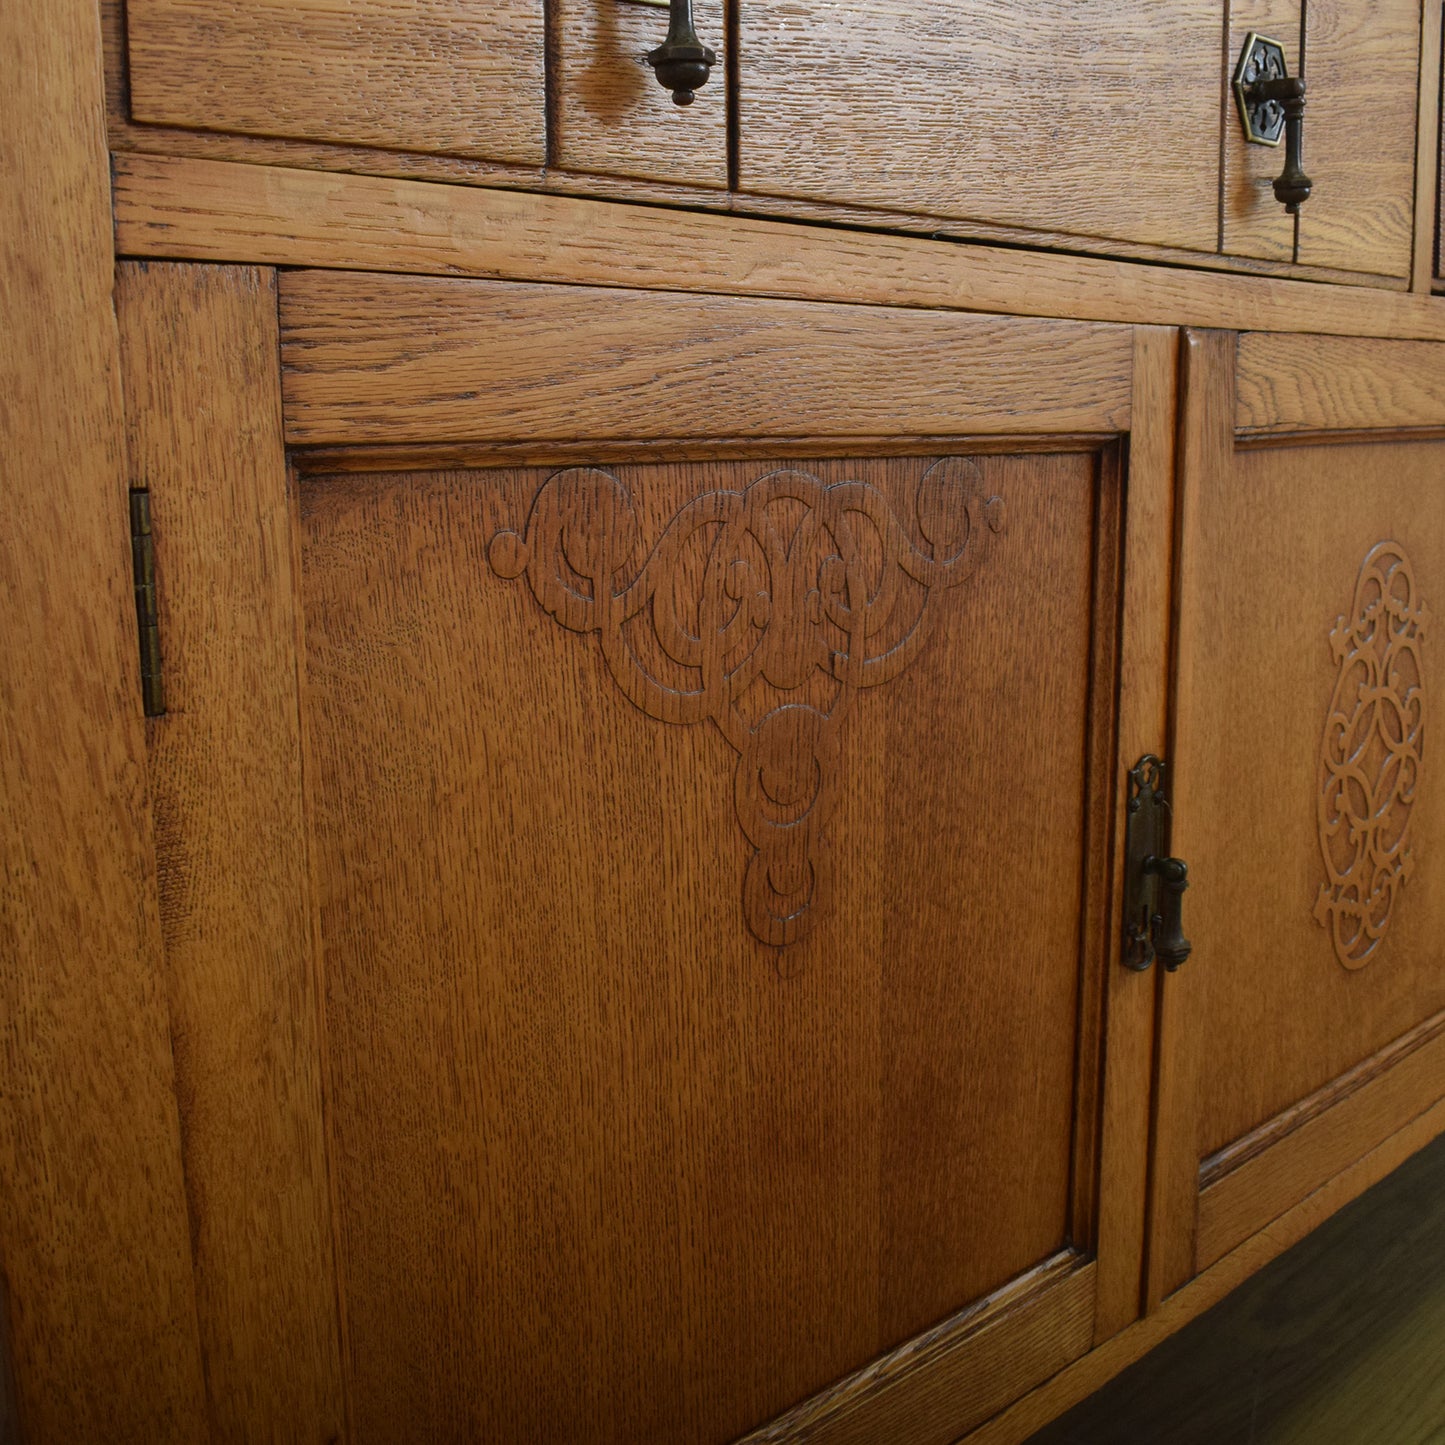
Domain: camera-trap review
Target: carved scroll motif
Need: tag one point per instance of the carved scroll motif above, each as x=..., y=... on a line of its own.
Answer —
x=765, y=610
x=1371, y=757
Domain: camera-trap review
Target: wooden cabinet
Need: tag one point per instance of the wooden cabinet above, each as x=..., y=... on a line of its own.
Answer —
x=624, y=906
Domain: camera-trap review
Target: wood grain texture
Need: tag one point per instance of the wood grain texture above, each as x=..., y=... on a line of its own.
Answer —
x=394, y=359
x=1289, y=384
x=203, y=411
x=1317, y=1138
x=582, y=1113
x=1429, y=118
x=610, y=115
x=1338, y=1340
x=426, y=75
x=989, y=111
x=214, y=210
x=1252, y=222
x=1362, y=65
x=1143, y=679
x=1205, y=444
x=945, y=1382
x=100, y=1328
x=1075, y=1382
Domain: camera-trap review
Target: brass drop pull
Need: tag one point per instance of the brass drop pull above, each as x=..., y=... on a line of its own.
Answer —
x=1271, y=105
x=682, y=61
x=1170, y=944
x=1154, y=883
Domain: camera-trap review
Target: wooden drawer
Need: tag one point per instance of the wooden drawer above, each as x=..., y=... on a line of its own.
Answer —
x=1083, y=118
x=1362, y=65
x=425, y=75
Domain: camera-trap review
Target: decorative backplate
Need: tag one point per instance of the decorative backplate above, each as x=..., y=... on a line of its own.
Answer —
x=765, y=610
x=1370, y=760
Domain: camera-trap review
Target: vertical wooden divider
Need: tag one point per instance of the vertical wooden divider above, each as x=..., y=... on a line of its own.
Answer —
x=95, y=1270
x=1143, y=676
x=203, y=414
x=1427, y=154
x=1206, y=441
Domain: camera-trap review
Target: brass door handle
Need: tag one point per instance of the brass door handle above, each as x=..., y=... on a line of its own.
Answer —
x=682, y=61
x=1271, y=105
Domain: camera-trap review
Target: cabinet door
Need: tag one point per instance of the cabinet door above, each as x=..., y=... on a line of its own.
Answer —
x=1080, y=118
x=1305, y=1037
x=638, y=906
x=429, y=75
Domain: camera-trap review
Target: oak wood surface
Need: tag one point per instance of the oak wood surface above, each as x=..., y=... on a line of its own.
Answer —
x=1427, y=156
x=1362, y=63
x=203, y=412
x=580, y=1112
x=428, y=75
x=1317, y=1139
x=394, y=359
x=1205, y=437
x=1336, y=383
x=1143, y=677
x=1265, y=684
x=99, y=1331
x=609, y=114
x=1252, y=222
x=1077, y=1381
x=931, y=1389
x=1022, y=116
x=269, y=214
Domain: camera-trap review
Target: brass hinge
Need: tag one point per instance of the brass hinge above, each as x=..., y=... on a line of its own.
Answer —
x=147, y=616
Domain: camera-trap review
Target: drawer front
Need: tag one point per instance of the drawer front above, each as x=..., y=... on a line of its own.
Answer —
x=1362, y=66
x=1067, y=118
x=609, y=114
x=443, y=76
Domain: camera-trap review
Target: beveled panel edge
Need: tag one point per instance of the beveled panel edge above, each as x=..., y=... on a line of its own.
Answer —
x=951, y=1378
x=220, y=210
x=382, y=358
x=1027, y=1415
x=1252, y=1181
x=1308, y=383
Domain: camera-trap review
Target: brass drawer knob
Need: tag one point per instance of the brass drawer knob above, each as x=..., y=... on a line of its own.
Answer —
x=682, y=61
x=1271, y=105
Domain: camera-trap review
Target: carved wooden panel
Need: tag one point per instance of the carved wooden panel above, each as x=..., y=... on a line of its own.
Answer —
x=802, y=583
x=1371, y=755
x=609, y=1168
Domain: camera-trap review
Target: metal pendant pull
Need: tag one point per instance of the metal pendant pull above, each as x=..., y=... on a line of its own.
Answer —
x=682, y=61
x=1154, y=883
x=1271, y=105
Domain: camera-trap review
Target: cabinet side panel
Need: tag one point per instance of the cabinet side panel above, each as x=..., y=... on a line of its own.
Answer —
x=93, y=1243
x=203, y=405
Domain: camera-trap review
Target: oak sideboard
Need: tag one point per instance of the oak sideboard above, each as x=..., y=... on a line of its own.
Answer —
x=742, y=760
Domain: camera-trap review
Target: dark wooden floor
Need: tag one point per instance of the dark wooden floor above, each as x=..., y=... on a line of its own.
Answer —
x=1341, y=1341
